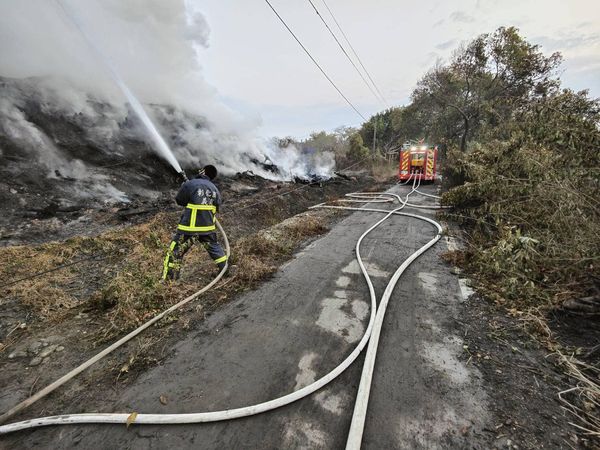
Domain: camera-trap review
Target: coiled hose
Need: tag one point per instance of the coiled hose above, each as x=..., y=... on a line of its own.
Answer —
x=375, y=323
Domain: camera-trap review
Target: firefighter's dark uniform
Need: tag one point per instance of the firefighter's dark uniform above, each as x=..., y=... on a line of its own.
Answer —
x=201, y=199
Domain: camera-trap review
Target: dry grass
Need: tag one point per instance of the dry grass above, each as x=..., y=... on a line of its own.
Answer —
x=582, y=400
x=382, y=171
x=131, y=261
x=128, y=290
x=256, y=256
x=49, y=295
x=303, y=226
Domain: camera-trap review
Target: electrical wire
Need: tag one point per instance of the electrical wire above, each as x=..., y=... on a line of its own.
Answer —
x=315, y=61
x=377, y=96
x=355, y=53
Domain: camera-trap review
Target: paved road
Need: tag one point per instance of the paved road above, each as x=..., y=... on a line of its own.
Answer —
x=296, y=328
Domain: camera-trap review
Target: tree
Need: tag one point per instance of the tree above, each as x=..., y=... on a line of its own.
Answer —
x=321, y=141
x=337, y=142
x=357, y=150
x=344, y=133
x=485, y=82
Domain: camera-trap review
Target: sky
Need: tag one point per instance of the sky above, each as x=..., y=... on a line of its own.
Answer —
x=260, y=71
x=235, y=64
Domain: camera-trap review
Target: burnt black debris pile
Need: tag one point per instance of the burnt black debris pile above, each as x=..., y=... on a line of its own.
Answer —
x=65, y=152
x=69, y=151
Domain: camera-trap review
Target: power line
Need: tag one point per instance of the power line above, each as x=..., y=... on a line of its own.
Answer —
x=346, y=53
x=315, y=61
x=94, y=256
x=354, y=51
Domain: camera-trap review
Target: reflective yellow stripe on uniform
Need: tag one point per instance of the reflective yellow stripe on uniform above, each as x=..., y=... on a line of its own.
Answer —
x=212, y=208
x=186, y=228
x=192, y=226
x=167, y=262
x=221, y=259
x=193, y=217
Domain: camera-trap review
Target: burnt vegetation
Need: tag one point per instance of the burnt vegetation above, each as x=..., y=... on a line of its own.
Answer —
x=521, y=173
x=521, y=168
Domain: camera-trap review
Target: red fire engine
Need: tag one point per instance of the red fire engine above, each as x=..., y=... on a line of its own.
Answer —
x=418, y=161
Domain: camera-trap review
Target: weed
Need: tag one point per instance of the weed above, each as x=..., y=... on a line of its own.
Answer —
x=129, y=291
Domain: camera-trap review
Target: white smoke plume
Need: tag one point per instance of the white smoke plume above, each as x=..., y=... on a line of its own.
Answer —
x=153, y=45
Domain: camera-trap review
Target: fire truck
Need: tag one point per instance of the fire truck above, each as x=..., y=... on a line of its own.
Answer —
x=418, y=161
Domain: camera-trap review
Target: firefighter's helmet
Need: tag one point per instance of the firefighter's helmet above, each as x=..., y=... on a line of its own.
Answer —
x=210, y=171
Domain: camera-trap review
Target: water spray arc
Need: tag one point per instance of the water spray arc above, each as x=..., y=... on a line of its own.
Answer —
x=159, y=143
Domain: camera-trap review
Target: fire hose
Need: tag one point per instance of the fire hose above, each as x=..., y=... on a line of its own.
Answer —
x=373, y=330
x=362, y=398
x=401, y=183
x=73, y=373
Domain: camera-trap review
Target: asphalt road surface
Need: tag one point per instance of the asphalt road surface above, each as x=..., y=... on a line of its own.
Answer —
x=297, y=327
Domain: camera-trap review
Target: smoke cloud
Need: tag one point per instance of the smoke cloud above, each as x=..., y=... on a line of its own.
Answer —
x=153, y=45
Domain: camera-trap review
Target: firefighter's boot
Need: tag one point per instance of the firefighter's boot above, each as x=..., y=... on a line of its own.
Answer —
x=171, y=264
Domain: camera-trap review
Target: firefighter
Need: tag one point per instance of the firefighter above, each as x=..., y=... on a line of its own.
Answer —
x=201, y=199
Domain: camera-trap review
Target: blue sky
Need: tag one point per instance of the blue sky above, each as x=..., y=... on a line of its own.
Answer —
x=260, y=71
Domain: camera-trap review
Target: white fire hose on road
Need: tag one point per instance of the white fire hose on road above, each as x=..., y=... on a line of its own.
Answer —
x=373, y=330
x=73, y=373
x=401, y=183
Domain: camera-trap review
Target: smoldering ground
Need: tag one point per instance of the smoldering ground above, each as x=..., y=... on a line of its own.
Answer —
x=50, y=77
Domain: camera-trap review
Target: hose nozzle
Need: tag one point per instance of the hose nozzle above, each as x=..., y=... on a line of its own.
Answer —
x=183, y=175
